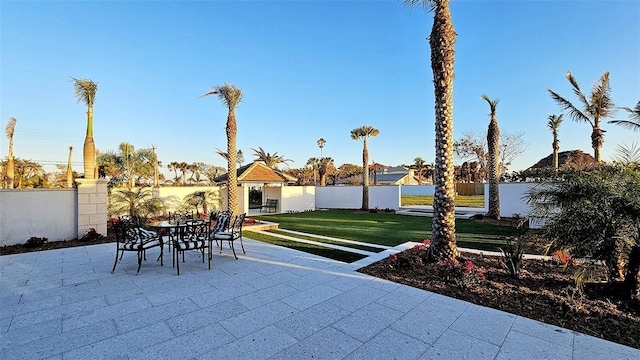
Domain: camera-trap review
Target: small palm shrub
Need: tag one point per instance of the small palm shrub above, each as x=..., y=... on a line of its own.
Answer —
x=512, y=256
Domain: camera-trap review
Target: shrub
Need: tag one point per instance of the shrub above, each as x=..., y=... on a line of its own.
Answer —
x=595, y=214
x=35, y=241
x=465, y=275
x=90, y=235
x=512, y=256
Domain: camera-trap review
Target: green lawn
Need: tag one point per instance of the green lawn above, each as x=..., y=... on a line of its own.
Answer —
x=461, y=200
x=388, y=228
x=323, y=251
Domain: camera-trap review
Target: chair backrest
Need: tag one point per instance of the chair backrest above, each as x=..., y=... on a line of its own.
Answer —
x=197, y=229
x=221, y=223
x=236, y=229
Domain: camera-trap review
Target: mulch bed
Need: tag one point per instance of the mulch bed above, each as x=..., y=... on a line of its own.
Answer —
x=545, y=291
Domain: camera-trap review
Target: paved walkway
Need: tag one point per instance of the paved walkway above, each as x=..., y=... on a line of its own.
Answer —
x=272, y=303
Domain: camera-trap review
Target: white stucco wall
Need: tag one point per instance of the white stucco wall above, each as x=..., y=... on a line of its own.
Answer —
x=297, y=198
x=350, y=197
x=49, y=213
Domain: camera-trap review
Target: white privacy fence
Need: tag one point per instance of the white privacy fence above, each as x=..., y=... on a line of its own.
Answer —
x=65, y=214
x=26, y=213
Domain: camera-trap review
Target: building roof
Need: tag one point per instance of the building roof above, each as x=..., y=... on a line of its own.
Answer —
x=258, y=172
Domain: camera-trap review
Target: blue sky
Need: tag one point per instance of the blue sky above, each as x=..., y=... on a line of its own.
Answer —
x=308, y=69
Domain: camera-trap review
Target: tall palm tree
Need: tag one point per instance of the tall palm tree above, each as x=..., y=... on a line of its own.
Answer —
x=321, y=143
x=493, y=143
x=10, y=129
x=633, y=122
x=553, y=124
x=363, y=133
x=442, y=42
x=231, y=96
x=271, y=160
x=597, y=107
x=85, y=91
x=69, y=171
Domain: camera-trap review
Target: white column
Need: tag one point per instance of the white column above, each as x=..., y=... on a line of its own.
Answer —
x=92, y=206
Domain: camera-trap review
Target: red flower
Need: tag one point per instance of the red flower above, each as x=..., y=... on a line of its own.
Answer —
x=426, y=242
x=418, y=247
x=468, y=266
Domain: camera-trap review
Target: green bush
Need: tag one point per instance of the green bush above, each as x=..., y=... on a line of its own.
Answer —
x=595, y=214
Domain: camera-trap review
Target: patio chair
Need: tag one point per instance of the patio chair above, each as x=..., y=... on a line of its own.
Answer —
x=130, y=236
x=177, y=216
x=195, y=238
x=231, y=235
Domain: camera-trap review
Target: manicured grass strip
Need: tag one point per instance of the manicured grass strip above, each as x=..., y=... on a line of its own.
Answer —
x=460, y=200
x=383, y=228
x=327, y=241
x=330, y=253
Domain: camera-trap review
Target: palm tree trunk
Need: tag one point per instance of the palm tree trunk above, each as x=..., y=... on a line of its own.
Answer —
x=365, y=176
x=89, y=150
x=10, y=172
x=232, y=131
x=442, y=41
x=597, y=139
x=69, y=171
x=556, y=147
x=493, y=138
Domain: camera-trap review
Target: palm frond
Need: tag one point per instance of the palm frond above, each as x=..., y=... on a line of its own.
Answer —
x=628, y=154
x=554, y=122
x=224, y=154
x=601, y=103
x=493, y=104
x=230, y=95
x=633, y=123
x=85, y=90
x=427, y=5
x=11, y=125
x=576, y=90
x=574, y=113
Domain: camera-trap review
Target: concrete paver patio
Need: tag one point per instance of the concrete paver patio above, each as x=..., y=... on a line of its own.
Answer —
x=272, y=303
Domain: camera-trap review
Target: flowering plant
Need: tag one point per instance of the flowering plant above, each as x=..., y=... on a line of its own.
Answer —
x=465, y=275
x=563, y=257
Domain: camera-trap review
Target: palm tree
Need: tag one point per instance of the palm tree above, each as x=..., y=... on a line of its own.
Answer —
x=442, y=41
x=231, y=96
x=321, y=143
x=270, y=160
x=10, y=129
x=363, y=133
x=553, y=124
x=322, y=169
x=493, y=142
x=314, y=162
x=419, y=163
x=633, y=122
x=175, y=166
x=69, y=171
x=85, y=91
x=240, y=158
x=183, y=166
x=598, y=106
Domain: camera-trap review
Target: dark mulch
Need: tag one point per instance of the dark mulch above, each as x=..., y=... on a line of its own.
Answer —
x=545, y=291
x=52, y=245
